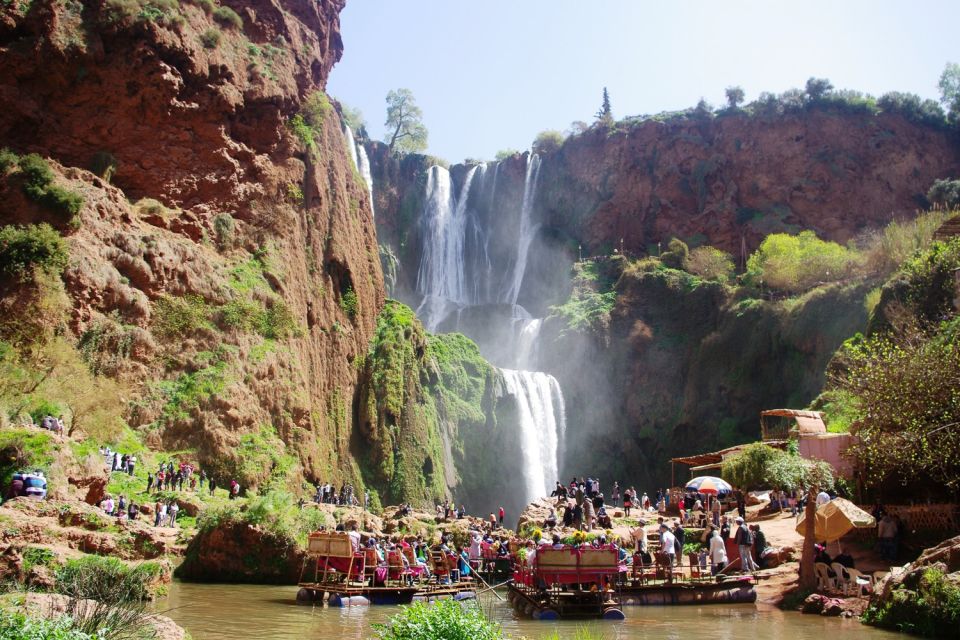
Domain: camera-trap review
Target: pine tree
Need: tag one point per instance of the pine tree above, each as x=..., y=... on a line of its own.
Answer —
x=605, y=114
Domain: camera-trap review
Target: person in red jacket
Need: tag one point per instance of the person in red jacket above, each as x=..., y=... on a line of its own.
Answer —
x=501, y=516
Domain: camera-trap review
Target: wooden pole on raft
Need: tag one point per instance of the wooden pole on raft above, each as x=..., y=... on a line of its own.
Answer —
x=487, y=585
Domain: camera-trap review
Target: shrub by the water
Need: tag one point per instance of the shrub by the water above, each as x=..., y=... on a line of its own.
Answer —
x=25, y=250
x=443, y=620
x=933, y=609
x=20, y=626
x=709, y=263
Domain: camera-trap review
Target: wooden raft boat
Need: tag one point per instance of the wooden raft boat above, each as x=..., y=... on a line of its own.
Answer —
x=730, y=591
x=568, y=583
x=345, y=577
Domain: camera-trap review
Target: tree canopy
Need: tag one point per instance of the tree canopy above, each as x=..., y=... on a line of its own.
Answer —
x=950, y=90
x=406, y=132
x=735, y=96
x=797, y=263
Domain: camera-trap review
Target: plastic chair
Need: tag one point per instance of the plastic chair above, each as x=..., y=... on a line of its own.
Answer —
x=858, y=581
x=824, y=581
x=843, y=584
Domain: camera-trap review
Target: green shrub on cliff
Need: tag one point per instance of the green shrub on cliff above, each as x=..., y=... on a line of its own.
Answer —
x=793, y=264
x=24, y=449
x=593, y=298
x=709, y=263
x=228, y=17
x=31, y=248
x=39, y=187
x=19, y=626
x=176, y=317
x=547, y=141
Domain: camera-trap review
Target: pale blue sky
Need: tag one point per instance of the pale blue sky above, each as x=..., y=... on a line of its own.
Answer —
x=491, y=74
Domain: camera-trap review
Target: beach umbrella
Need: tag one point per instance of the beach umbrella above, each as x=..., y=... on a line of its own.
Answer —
x=709, y=485
x=835, y=518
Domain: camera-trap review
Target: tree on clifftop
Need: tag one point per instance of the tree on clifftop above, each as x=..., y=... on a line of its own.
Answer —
x=817, y=89
x=735, y=96
x=605, y=114
x=950, y=90
x=405, y=129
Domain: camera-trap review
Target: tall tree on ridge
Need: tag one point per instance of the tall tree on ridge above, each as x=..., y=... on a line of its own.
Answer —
x=405, y=129
x=605, y=114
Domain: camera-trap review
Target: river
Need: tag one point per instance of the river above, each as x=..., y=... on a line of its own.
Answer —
x=222, y=612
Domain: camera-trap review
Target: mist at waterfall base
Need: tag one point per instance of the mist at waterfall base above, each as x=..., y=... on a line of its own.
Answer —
x=490, y=269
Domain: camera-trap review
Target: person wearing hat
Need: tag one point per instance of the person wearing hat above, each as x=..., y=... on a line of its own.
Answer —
x=745, y=545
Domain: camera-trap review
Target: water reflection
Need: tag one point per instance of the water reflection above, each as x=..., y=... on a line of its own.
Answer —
x=215, y=612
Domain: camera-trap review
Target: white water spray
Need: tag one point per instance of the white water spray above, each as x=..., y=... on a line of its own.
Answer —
x=527, y=230
x=542, y=418
x=364, y=166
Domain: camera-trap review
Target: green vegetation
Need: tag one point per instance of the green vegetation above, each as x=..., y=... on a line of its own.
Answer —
x=735, y=97
x=176, y=317
x=605, y=113
x=228, y=18
x=709, y=263
x=503, y=154
x=39, y=187
x=107, y=579
x=950, y=90
x=165, y=12
x=945, y=194
x=406, y=132
x=276, y=512
x=797, y=263
x=930, y=608
x=308, y=123
x=31, y=248
x=442, y=620
x=760, y=466
x=8, y=160
x=24, y=450
x=592, y=298
x=188, y=390
x=224, y=229
x=20, y=626
x=547, y=141
x=676, y=254
x=261, y=460
x=211, y=38
x=349, y=303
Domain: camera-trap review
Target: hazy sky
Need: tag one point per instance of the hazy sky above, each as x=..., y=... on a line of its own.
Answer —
x=491, y=74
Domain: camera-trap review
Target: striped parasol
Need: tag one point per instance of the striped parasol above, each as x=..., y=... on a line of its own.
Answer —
x=709, y=485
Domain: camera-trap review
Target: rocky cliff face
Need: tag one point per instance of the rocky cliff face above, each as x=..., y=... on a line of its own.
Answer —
x=734, y=179
x=223, y=265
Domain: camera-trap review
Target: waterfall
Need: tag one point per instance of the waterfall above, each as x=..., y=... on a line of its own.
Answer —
x=542, y=422
x=364, y=167
x=441, y=275
x=527, y=230
x=527, y=342
x=351, y=144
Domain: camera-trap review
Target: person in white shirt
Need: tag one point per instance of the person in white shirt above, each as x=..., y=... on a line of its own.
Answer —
x=354, y=538
x=718, y=552
x=667, y=549
x=823, y=498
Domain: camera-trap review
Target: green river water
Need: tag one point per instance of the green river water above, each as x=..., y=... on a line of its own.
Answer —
x=222, y=612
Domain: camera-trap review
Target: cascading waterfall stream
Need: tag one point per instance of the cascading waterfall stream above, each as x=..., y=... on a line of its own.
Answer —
x=542, y=423
x=361, y=162
x=456, y=272
x=527, y=230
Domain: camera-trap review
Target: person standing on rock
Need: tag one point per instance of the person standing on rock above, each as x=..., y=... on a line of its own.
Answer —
x=149, y=482
x=213, y=485
x=615, y=494
x=161, y=513
x=132, y=511
x=173, y=511
x=500, y=514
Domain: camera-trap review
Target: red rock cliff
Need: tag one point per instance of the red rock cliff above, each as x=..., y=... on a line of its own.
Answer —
x=222, y=268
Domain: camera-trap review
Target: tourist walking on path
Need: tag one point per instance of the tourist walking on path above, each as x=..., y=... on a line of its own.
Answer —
x=744, y=540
